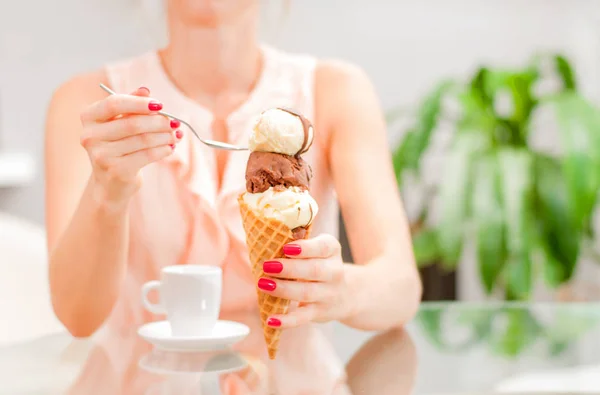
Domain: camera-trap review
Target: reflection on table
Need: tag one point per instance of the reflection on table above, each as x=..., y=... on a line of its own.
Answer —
x=385, y=364
x=460, y=349
x=515, y=347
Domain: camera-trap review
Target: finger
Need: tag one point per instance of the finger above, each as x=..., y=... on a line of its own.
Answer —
x=111, y=106
x=142, y=91
x=322, y=246
x=138, y=142
x=135, y=161
x=301, y=291
x=323, y=270
x=131, y=125
x=301, y=316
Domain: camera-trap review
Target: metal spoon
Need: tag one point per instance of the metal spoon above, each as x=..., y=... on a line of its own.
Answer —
x=211, y=143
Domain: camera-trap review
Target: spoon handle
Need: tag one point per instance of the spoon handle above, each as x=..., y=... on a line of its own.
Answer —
x=211, y=143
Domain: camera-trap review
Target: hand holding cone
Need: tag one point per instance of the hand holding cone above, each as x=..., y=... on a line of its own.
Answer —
x=277, y=208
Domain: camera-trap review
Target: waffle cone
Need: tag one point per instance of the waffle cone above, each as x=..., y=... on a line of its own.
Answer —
x=265, y=238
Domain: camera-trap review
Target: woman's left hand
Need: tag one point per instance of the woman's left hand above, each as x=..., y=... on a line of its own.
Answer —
x=320, y=286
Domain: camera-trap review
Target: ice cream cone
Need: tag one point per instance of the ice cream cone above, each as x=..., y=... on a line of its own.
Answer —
x=265, y=238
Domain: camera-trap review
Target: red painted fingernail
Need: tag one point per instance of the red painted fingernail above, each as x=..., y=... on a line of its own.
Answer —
x=273, y=322
x=175, y=124
x=155, y=106
x=143, y=88
x=266, y=285
x=292, y=249
x=179, y=134
x=272, y=267
x=172, y=146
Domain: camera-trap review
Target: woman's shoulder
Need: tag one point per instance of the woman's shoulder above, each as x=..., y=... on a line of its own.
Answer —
x=339, y=87
x=83, y=89
x=333, y=74
x=78, y=92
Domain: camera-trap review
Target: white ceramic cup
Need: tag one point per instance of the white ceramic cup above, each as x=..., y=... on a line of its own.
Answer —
x=190, y=296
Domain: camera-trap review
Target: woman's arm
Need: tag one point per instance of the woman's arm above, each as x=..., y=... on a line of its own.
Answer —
x=86, y=241
x=384, y=280
x=88, y=190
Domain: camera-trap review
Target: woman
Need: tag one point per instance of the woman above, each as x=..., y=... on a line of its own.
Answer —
x=143, y=194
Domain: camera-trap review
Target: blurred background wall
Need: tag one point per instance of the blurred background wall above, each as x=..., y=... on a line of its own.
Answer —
x=405, y=46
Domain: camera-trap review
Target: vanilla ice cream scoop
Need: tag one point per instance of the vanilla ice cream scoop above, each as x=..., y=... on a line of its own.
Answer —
x=292, y=206
x=282, y=131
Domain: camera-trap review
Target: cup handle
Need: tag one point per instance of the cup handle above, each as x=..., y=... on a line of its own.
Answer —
x=155, y=308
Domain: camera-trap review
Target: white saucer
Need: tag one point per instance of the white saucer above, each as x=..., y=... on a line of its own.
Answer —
x=225, y=334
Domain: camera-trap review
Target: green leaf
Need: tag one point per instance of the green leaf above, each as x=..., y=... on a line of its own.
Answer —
x=475, y=115
x=407, y=155
x=560, y=236
x=486, y=88
x=520, y=85
x=454, y=193
x=516, y=169
x=579, y=125
x=416, y=140
x=489, y=221
x=497, y=80
x=425, y=246
x=479, y=88
x=565, y=71
x=519, y=277
x=516, y=175
x=554, y=272
x=561, y=66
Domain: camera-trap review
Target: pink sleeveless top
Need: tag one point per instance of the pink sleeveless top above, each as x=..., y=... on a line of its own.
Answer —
x=179, y=216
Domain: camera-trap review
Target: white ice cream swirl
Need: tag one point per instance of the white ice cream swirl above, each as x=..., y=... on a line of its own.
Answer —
x=280, y=131
x=292, y=206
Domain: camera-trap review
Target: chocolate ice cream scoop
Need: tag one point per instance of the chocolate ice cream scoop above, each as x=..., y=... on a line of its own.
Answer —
x=268, y=169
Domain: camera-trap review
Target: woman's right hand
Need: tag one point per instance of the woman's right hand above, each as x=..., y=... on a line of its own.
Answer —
x=122, y=134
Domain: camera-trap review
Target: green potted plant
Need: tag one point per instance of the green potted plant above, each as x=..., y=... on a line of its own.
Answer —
x=528, y=211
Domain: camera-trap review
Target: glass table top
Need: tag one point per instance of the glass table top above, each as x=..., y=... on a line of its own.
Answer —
x=449, y=348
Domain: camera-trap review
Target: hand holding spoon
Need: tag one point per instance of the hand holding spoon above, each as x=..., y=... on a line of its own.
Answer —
x=210, y=143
